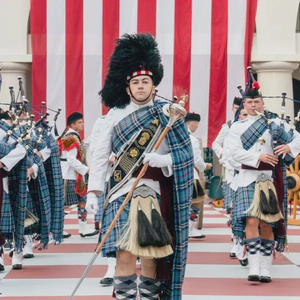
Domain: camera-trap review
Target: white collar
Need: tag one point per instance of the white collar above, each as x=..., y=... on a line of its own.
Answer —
x=137, y=106
x=254, y=118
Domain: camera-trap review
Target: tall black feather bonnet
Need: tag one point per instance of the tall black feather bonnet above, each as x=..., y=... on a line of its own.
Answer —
x=134, y=55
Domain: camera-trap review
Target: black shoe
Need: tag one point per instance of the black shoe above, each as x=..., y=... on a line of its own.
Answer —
x=253, y=278
x=67, y=235
x=232, y=255
x=2, y=268
x=265, y=279
x=106, y=281
x=90, y=234
x=8, y=246
x=17, y=267
x=244, y=262
x=28, y=255
x=200, y=236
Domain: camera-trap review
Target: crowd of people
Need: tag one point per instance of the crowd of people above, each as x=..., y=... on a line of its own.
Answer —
x=145, y=166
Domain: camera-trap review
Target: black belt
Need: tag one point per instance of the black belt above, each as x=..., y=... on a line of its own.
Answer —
x=63, y=159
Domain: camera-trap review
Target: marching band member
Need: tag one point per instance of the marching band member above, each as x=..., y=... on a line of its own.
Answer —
x=192, y=121
x=236, y=227
x=111, y=261
x=261, y=197
x=10, y=157
x=73, y=171
x=217, y=147
x=132, y=123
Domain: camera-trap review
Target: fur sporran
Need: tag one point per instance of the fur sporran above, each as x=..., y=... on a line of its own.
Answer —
x=265, y=205
x=146, y=233
x=198, y=192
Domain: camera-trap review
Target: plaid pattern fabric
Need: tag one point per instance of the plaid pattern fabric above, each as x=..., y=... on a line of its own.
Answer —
x=253, y=245
x=253, y=133
x=256, y=130
x=99, y=214
x=71, y=197
x=15, y=208
x=7, y=225
x=18, y=199
x=183, y=163
x=40, y=189
x=109, y=249
x=266, y=247
x=227, y=194
x=149, y=288
x=56, y=190
x=125, y=287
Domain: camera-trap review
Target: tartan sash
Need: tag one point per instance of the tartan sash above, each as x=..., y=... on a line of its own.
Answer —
x=183, y=162
x=253, y=133
x=55, y=186
x=257, y=129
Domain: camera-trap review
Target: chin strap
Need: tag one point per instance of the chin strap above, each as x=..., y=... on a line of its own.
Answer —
x=141, y=101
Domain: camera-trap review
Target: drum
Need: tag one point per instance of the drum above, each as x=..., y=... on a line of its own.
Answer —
x=86, y=151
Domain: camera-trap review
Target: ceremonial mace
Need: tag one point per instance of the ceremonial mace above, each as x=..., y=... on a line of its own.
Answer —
x=175, y=112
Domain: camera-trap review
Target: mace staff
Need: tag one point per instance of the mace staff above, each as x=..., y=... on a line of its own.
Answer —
x=176, y=112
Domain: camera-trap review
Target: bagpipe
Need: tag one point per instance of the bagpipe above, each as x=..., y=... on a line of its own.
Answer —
x=16, y=112
x=21, y=129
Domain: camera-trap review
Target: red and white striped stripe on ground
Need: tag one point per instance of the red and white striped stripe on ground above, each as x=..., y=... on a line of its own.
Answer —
x=210, y=273
x=205, y=47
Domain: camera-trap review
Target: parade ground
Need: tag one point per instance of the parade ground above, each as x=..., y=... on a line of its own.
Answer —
x=210, y=273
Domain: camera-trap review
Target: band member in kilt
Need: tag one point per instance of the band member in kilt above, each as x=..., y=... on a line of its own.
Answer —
x=237, y=228
x=55, y=185
x=154, y=224
x=13, y=210
x=111, y=261
x=228, y=171
x=73, y=171
x=192, y=121
x=263, y=148
x=38, y=200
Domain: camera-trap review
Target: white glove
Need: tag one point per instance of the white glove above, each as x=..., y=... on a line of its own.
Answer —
x=91, y=205
x=157, y=160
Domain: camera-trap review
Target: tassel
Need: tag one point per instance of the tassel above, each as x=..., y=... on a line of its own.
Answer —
x=146, y=234
x=264, y=203
x=274, y=205
x=160, y=226
x=195, y=192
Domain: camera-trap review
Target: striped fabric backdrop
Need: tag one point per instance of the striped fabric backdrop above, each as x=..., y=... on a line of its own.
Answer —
x=205, y=47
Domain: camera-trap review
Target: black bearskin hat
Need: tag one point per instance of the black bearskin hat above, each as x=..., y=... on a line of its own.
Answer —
x=253, y=92
x=192, y=117
x=237, y=101
x=135, y=54
x=73, y=118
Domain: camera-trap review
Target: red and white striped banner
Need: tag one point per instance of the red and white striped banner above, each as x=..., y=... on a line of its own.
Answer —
x=205, y=47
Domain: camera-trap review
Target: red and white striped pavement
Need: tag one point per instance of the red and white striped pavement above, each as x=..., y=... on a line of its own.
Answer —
x=210, y=273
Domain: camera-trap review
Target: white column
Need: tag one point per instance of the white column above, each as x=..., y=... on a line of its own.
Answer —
x=274, y=78
x=10, y=72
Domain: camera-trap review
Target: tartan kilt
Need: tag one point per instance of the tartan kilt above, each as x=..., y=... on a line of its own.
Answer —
x=71, y=197
x=109, y=249
x=226, y=192
x=32, y=207
x=99, y=214
x=243, y=200
x=7, y=225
